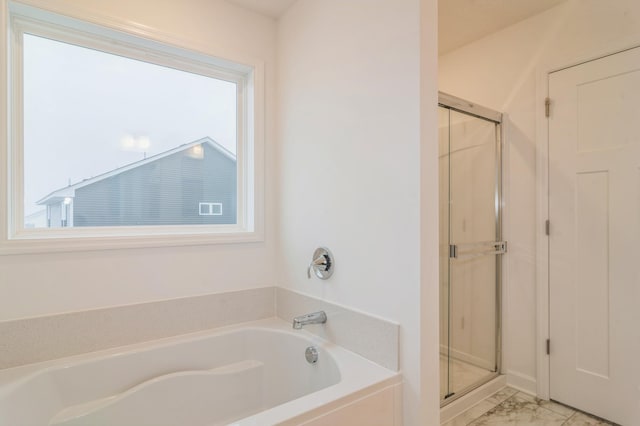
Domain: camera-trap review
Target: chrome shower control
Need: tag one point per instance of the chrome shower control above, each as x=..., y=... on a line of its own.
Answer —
x=322, y=264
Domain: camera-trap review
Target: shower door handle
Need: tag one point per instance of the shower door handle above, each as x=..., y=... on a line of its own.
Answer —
x=472, y=250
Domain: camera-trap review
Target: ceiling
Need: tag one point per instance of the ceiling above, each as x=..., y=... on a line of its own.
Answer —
x=272, y=8
x=459, y=21
x=463, y=21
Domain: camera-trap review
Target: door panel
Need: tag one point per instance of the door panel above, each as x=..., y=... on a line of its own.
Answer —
x=592, y=273
x=469, y=173
x=594, y=245
x=473, y=176
x=443, y=170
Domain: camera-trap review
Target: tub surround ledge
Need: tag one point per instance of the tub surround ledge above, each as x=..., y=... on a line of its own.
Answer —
x=31, y=340
x=39, y=339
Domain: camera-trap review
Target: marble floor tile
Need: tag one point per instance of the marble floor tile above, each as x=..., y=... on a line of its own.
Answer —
x=549, y=405
x=502, y=395
x=509, y=407
x=470, y=415
x=581, y=419
x=519, y=412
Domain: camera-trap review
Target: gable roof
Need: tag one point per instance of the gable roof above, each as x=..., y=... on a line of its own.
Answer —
x=69, y=191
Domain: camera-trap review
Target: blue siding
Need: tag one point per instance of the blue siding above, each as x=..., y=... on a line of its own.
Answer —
x=167, y=191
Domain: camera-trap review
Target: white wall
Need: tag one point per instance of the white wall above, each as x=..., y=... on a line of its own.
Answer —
x=349, y=145
x=356, y=165
x=501, y=71
x=33, y=285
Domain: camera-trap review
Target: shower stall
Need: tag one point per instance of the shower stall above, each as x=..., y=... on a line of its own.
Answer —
x=471, y=245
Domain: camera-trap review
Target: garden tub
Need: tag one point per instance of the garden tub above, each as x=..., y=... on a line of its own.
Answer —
x=249, y=374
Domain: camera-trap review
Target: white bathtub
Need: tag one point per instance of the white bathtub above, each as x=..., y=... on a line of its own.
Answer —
x=251, y=374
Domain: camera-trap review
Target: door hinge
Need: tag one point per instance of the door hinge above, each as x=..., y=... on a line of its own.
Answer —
x=547, y=227
x=453, y=251
x=547, y=107
x=548, y=346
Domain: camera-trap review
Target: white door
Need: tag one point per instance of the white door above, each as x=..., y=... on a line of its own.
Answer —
x=594, y=243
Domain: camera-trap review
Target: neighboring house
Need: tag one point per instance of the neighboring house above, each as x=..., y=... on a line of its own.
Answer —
x=36, y=220
x=192, y=184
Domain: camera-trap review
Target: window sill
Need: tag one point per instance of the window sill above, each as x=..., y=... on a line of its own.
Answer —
x=32, y=243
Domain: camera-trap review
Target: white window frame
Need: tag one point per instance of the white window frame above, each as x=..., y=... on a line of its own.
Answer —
x=105, y=34
x=210, y=209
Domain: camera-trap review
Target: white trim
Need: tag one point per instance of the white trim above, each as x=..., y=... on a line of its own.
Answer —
x=250, y=217
x=172, y=237
x=5, y=183
x=542, y=240
x=82, y=17
x=15, y=154
x=543, y=369
x=254, y=169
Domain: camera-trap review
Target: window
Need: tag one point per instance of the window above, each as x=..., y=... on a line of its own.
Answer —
x=210, y=209
x=113, y=135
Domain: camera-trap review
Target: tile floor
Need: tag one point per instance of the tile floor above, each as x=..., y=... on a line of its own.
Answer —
x=509, y=407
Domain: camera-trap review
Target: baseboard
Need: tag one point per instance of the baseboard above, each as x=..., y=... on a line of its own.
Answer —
x=462, y=404
x=521, y=382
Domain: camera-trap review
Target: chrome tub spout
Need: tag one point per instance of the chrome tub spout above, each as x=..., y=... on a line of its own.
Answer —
x=314, y=318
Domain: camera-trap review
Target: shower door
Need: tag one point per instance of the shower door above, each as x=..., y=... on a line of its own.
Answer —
x=470, y=246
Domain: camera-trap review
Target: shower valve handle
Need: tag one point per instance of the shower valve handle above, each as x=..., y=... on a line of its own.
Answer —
x=322, y=264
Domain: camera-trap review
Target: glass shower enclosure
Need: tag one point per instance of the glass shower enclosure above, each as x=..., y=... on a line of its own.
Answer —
x=471, y=245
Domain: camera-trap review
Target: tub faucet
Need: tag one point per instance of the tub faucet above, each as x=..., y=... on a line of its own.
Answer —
x=314, y=318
